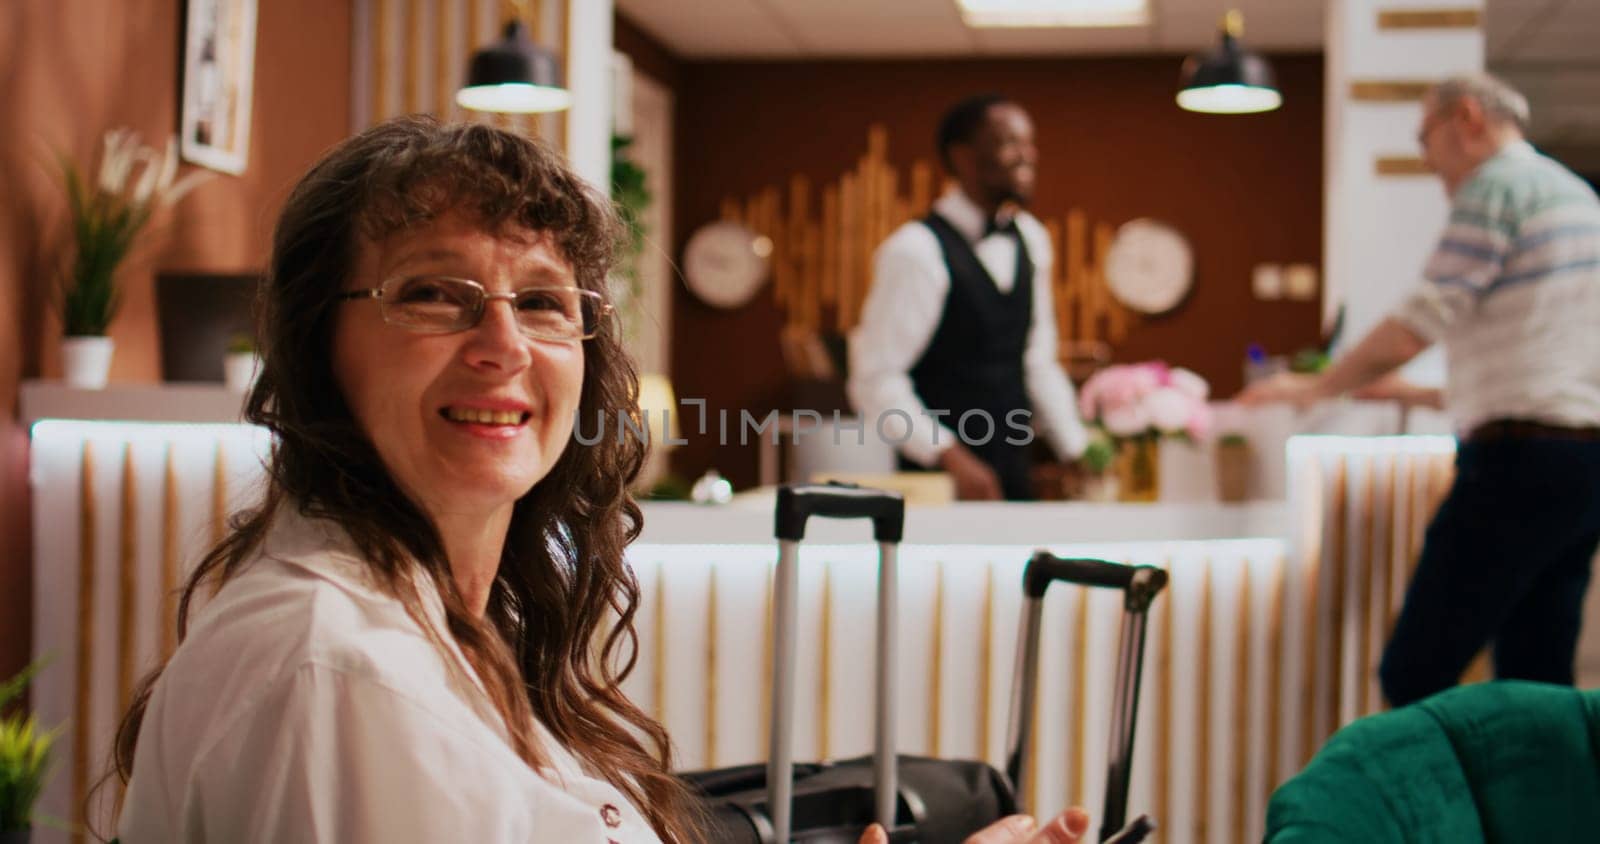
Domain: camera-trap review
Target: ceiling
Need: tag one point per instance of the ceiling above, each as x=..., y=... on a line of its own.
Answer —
x=799, y=29
x=1547, y=48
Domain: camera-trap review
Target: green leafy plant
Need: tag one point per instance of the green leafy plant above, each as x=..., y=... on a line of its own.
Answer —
x=1100, y=454
x=671, y=487
x=24, y=757
x=1309, y=361
x=631, y=195
x=108, y=210
x=12, y=688
x=241, y=343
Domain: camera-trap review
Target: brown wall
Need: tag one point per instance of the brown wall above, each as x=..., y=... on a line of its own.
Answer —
x=69, y=71
x=1243, y=189
x=649, y=56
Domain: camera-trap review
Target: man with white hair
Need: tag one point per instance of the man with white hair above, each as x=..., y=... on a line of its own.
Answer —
x=1513, y=292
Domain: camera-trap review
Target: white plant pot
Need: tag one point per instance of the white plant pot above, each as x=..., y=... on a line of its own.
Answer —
x=86, y=361
x=1103, y=488
x=239, y=370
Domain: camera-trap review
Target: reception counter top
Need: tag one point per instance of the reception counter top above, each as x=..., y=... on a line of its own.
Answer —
x=748, y=521
x=198, y=403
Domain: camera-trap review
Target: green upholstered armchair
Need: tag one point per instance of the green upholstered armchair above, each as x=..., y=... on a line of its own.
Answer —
x=1491, y=762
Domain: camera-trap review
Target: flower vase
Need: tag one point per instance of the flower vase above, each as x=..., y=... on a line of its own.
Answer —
x=1139, y=469
x=1103, y=488
x=86, y=361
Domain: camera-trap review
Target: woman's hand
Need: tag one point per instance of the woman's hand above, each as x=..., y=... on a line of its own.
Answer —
x=1069, y=827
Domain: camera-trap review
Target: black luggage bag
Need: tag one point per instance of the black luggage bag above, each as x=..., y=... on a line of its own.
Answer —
x=917, y=799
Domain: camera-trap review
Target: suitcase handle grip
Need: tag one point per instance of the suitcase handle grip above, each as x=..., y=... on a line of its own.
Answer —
x=1140, y=583
x=835, y=500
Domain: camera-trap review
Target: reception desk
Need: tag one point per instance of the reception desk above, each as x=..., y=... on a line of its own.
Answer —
x=1259, y=648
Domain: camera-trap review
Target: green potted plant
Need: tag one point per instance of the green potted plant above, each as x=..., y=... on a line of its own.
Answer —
x=630, y=193
x=108, y=210
x=24, y=762
x=1099, y=482
x=241, y=363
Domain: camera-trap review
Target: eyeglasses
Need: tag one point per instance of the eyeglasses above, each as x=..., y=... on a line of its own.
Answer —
x=441, y=305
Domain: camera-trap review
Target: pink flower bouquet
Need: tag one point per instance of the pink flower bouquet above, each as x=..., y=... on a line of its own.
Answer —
x=1146, y=399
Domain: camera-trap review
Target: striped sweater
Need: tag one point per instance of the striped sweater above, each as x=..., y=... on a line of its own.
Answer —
x=1513, y=292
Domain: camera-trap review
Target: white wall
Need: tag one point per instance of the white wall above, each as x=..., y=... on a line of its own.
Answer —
x=1378, y=230
x=589, y=79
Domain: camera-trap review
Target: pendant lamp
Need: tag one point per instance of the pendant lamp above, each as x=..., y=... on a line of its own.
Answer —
x=514, y=75
x=1229, y=79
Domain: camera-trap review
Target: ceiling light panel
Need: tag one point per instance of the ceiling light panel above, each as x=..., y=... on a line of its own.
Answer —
x=1054, y=13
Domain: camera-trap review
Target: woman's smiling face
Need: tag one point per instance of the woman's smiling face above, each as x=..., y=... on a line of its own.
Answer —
x=469, y=421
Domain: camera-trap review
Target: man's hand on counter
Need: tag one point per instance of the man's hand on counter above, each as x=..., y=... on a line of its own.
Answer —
x=1389, y=346
x=1294, y=388
x=1394, y=388
x=1305, y=390
x=975, y=481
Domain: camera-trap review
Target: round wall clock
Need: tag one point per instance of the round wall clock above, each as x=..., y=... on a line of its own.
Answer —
x=1149, y=267
x=725, y=263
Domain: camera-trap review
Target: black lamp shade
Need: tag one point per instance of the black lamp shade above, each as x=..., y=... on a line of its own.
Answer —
x=1228, y=80
x=514, y=75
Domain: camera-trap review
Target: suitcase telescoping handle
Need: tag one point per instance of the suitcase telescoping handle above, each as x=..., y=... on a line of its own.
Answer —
x=796, y=504
x=1046, y=568
x=1139, y=586
x=799, y=502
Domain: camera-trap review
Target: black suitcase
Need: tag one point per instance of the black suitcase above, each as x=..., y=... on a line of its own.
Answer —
x=1139, y=586
x=916, y=799
x=832, y=802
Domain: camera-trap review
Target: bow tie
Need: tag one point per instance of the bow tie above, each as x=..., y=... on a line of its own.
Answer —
x=993, y=226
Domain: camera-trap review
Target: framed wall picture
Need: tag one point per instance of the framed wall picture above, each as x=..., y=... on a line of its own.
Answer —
x=219, y=54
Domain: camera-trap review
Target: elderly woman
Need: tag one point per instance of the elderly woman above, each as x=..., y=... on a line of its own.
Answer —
x=419, y=634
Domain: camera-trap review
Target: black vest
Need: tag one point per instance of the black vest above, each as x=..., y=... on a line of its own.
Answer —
x=974, y=361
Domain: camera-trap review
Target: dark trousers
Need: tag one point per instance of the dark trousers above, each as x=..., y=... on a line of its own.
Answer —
x=1506, y=560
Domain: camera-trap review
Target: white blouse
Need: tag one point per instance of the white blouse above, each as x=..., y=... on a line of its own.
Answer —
x=307, y=705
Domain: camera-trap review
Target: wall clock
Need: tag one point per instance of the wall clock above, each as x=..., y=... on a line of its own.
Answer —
x=725, y=263
x=1149, y=267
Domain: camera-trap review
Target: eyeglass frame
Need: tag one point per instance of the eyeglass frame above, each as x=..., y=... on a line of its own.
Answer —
x=484, y=298
x=1432, y=119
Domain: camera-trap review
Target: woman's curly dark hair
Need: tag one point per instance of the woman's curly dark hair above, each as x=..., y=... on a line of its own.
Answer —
x=563, y=590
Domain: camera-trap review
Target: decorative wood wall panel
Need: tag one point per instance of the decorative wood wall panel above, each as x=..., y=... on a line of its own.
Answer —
x=822, y=251
x=1389, y=90
x=1465, y=18
x=1401, y=165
